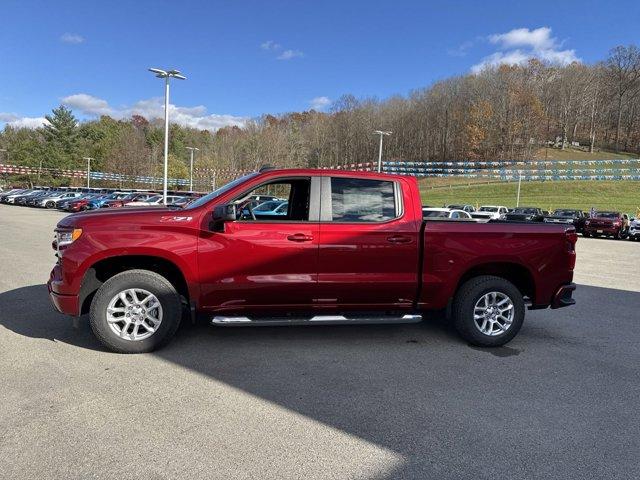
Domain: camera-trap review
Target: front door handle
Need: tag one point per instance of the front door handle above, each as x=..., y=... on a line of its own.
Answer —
x=399, y=239
x=299, y=237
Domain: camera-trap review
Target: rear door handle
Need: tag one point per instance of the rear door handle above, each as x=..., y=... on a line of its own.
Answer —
x=299, y=237
x=399, y=239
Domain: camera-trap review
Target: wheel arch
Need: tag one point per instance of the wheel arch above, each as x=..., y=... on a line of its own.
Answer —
x=105, y=268
x=514, y=272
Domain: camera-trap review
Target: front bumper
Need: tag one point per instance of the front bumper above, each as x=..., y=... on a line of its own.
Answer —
x=634, y=233
x=63, y=303
x=563, y=297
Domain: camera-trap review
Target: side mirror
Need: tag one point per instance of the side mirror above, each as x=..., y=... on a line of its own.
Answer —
x=222, y=214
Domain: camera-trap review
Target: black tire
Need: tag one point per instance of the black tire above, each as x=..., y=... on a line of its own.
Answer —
x=463, y=310
x=50, y=204
x=142, y=279
x=586, y=234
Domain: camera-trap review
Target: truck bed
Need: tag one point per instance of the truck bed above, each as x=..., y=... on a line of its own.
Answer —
x=538, y=254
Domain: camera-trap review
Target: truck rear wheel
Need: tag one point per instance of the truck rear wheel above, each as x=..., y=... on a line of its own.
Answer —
x=135, y=311
x=488, y=311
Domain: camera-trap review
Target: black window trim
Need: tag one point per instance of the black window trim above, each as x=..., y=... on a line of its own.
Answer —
x=314, y=200
x=326, y=203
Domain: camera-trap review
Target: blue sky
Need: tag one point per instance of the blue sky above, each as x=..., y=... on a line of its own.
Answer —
x=245, y=58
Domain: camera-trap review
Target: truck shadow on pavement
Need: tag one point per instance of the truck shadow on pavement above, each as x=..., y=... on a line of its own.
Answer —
x=548, y=405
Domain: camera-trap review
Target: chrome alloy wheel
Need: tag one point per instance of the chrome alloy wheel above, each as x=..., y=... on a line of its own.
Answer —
x=493, y=313
x=134, y=314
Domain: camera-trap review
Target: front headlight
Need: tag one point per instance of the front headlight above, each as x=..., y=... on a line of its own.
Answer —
x=67, y=237
x=587, y=222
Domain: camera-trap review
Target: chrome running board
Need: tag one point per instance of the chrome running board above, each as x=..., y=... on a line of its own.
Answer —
x=228, y=321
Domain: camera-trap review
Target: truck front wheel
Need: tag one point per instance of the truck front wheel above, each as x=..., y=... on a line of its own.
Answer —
x=488, y=311
x=135, y=311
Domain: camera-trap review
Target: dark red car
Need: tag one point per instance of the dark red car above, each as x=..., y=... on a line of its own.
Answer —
x=609, y=224
x=352, y=248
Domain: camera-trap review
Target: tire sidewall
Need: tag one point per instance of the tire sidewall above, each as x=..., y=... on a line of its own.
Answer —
x=464, y=306
x=143, y=279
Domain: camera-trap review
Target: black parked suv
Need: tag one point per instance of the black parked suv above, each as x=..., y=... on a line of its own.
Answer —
x=567, y=215
x=524, y=214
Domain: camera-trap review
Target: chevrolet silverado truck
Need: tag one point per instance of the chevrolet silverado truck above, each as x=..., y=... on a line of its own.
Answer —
x=352, y=248
x=608, y=224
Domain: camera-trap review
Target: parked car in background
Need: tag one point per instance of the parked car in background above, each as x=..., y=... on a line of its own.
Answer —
x=634, y=229
x=131, y=197
x=22, y=199
x=13, y=191
x=608, y=224
x=524, y=214
x=77, y=204
x=51, y=200
x=155, y=200
x=432, y=213
x=459, y=206
x=490, y=212
x=567, y=215
x=100, y=201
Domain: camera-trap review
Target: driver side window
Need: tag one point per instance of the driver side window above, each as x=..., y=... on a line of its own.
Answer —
x=277, y=201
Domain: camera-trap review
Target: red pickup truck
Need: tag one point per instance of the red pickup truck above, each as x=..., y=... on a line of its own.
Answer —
x=350, y=247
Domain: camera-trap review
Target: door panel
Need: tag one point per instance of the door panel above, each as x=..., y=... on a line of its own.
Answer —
x=372, y=264
x=260, y=264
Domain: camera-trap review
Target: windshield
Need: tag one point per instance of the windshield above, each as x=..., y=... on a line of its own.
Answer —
x=526, y=211
x=224, y=189
x=488, y=209
x=565, y=213
x=155, y=198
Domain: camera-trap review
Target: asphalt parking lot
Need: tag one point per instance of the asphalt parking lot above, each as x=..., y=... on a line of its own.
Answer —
x=365, y=402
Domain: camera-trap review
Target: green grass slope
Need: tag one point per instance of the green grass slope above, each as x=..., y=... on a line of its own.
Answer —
x=619, y=195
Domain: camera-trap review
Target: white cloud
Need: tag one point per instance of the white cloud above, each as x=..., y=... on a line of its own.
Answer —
x=539, y=38
x=72, y=38
x=88, y=104
x=319, y=103
x=17, y=121
x=270, y=45
x=289, y=54
x=153, y=109
x=519, y=45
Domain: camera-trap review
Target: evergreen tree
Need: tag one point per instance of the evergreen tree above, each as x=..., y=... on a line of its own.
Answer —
x=61, y=136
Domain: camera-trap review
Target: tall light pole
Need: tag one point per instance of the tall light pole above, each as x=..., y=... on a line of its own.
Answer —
x=382, y=134
x=88, y=159
x=191, y=175
x=166, y=74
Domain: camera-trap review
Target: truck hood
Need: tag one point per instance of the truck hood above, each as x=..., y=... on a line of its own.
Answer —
x=120, y=215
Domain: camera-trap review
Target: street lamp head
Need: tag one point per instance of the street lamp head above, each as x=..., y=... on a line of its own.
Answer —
x=192, y=148
x=381, y=132
x=160, y=73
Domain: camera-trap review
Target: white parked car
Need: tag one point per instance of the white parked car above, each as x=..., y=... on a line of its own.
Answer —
x=490, y=212
x=634, y=229
x=428, y=212
x=155, y=200
x=50, y=201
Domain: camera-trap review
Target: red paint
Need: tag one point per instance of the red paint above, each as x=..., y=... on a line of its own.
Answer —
x=289, y=266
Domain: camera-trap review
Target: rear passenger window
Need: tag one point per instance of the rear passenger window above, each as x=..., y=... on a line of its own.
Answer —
x=359, y=200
